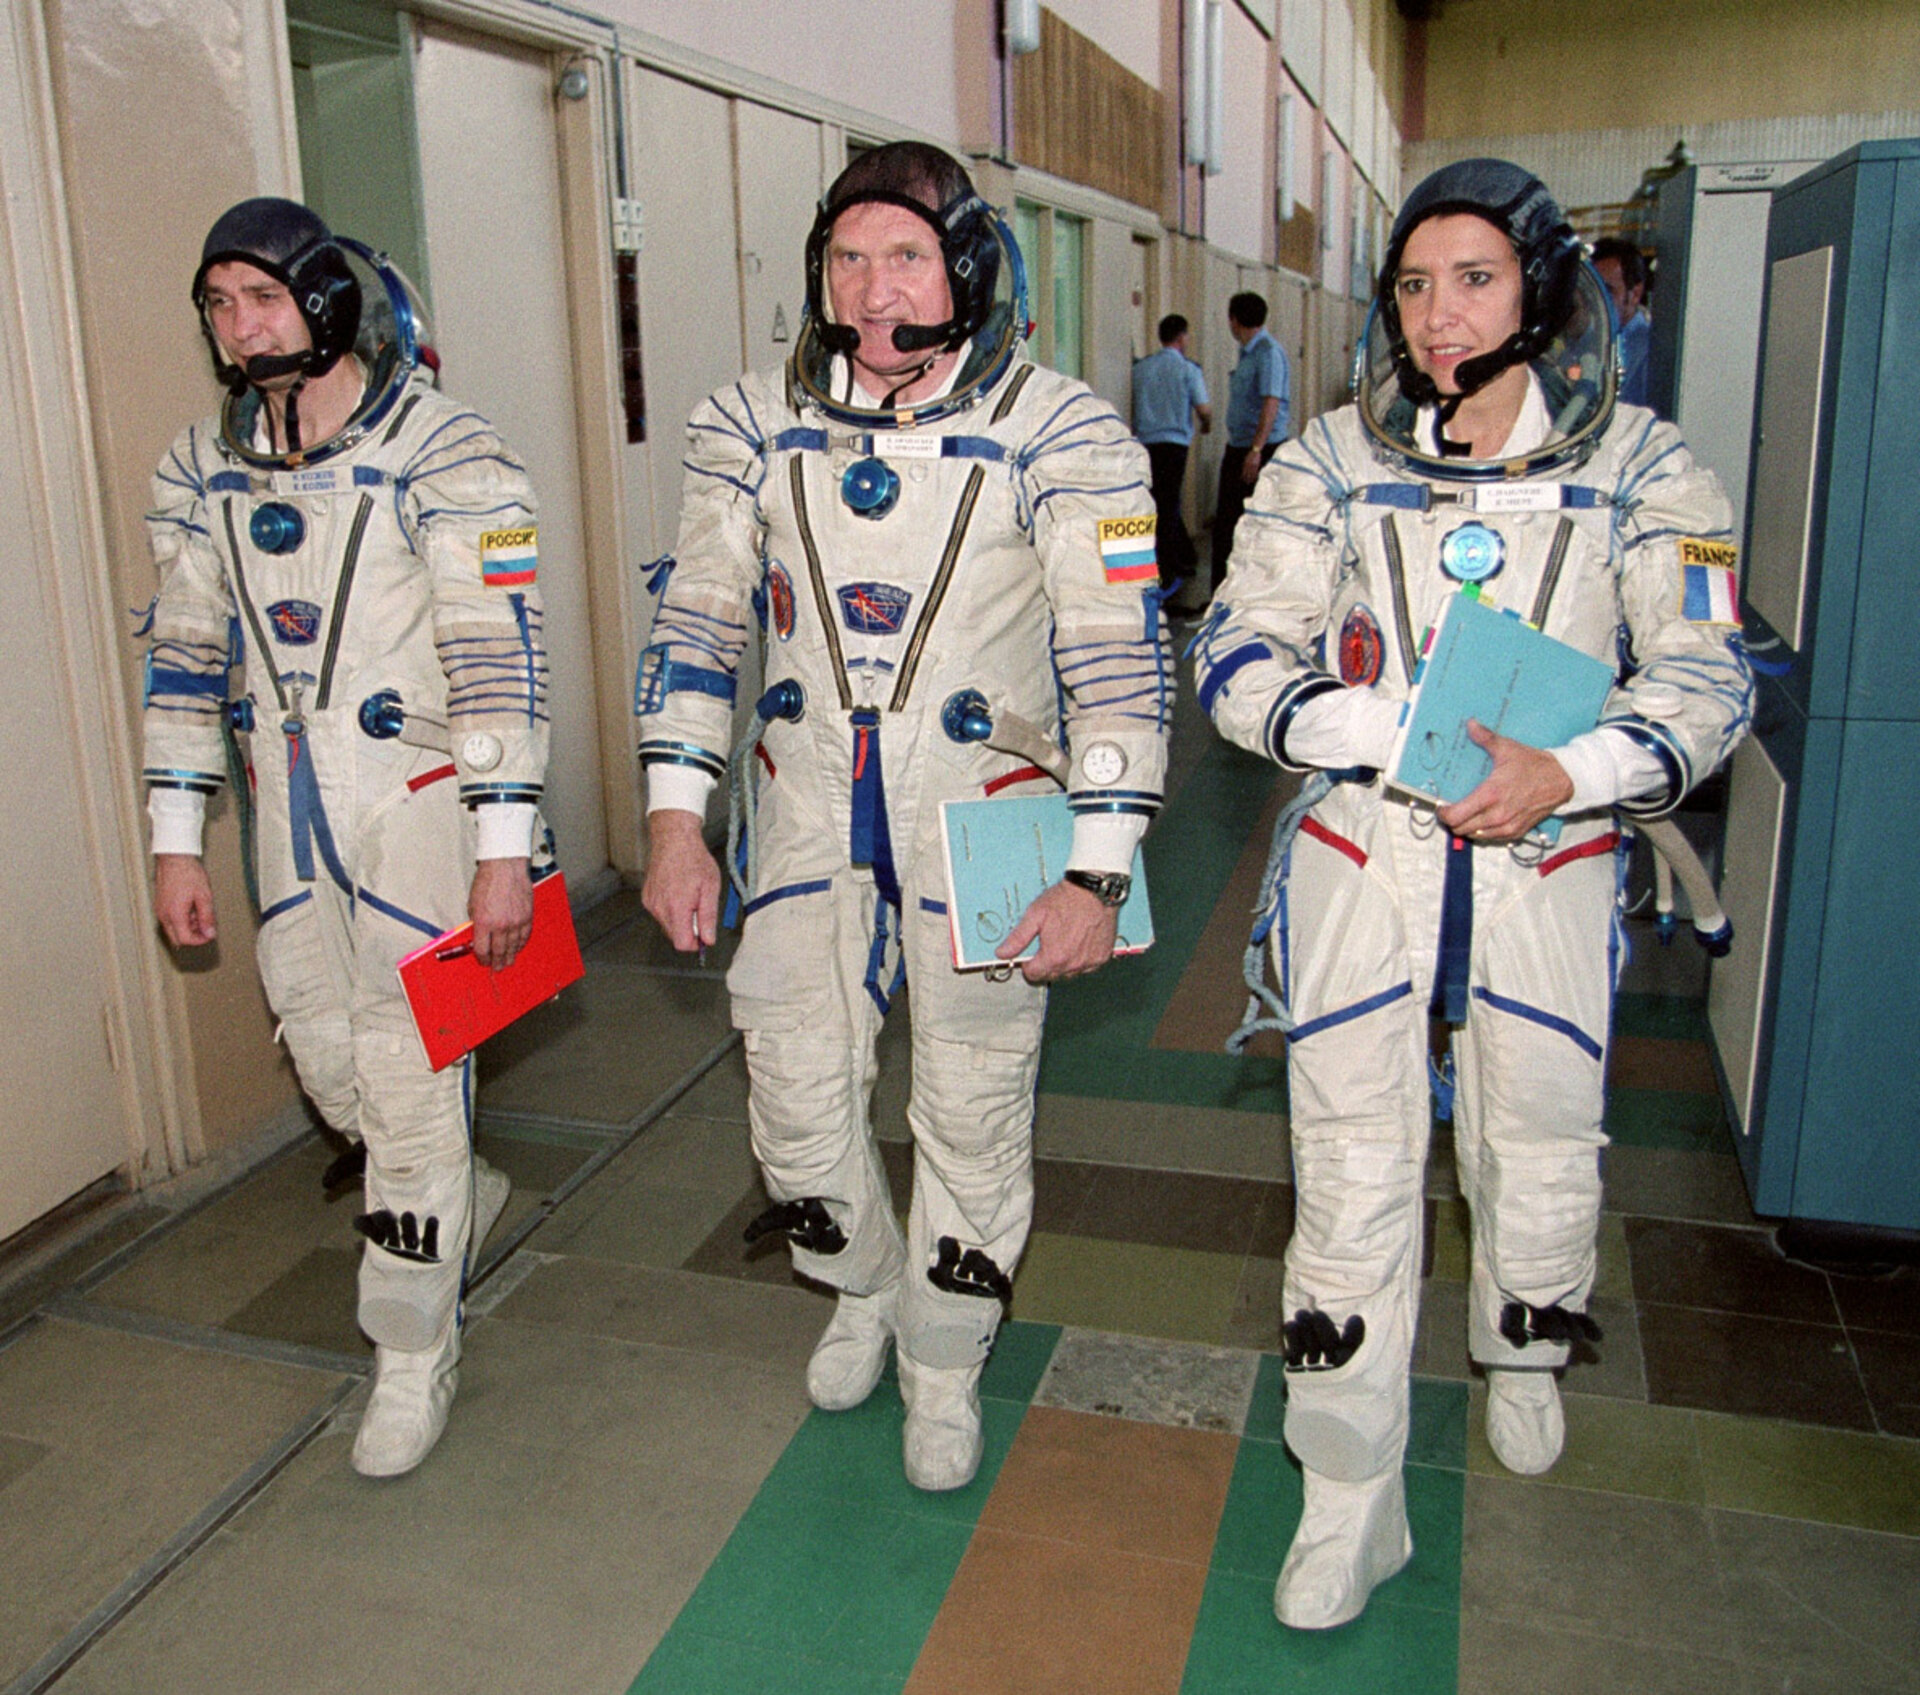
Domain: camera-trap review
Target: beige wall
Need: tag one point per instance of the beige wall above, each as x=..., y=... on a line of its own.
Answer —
x=1515, y=66
x=141, y=188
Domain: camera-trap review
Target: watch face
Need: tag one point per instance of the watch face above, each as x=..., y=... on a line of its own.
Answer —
x=1104, y=764
x=480, y=751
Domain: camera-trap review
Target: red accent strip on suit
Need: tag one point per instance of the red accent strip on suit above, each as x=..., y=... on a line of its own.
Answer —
x=1311, y=826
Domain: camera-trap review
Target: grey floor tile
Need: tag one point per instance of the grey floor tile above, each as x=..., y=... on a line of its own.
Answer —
x=18, y=1457
x=39, y=1263
x=139, y=1437
x=674, y=1309
x=606, y=1048
x=1675, y=1183
x=641, y=1222
x=1176, y=1383
x=1440, y=1345
x=312, y=1304
x=1505, y=1656
x=1160, y=1136
x=1614, y=1365
x=720, y=1093
x=238, y=1247
x=1255, y=1320
x=1612, y=1446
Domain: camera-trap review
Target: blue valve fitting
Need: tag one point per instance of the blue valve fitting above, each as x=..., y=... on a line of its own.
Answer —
x=1718, y=943
x=277, y=527
x=786, y=699
x=240, y=716
x=871, y=488
x=966, y=717
x=382, y=716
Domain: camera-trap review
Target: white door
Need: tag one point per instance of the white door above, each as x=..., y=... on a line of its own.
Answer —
x=62, y=1114
x=490, y=175
x=779, y=184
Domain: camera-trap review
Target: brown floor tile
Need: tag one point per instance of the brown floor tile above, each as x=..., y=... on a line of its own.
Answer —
x=1890, y=1367
x=1114, y=1484
x=1759, y=1367
x=1034, y=1616
x=1171, y=1209
x=1891, y=1302
x=1659, y=1062
x=1059, y=1188
x=1725, y=1270
x=1275, y=1227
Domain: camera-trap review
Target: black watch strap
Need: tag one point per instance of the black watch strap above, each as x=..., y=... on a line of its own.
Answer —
x=1110, y=888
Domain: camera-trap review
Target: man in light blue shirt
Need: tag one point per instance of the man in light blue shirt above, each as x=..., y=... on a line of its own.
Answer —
x=1169, y=392
x=1257, y=406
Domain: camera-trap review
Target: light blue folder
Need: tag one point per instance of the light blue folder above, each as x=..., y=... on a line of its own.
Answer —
x=1001, y=852
x=1491, y=666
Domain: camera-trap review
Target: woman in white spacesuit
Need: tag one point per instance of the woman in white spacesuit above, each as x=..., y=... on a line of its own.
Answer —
x=1486, y=453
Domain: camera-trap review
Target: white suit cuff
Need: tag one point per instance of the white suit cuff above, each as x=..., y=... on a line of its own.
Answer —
x=178, y=817
x=1607, y=768
x=1104, y=841
x=1352, y=727
x=678, y=788
x=506, y=829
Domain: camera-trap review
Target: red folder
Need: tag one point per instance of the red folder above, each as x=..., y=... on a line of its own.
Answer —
x=458, y=1003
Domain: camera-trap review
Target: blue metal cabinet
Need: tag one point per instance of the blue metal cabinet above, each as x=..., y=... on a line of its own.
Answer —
x=1816, y=1016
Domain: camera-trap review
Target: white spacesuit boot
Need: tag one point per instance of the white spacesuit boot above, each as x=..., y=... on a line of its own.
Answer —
x=491, y=1187
x=852, y=1350
x=1525, y=1425
x=1352, y=1537
x=412, y=1394
x=943, y=1440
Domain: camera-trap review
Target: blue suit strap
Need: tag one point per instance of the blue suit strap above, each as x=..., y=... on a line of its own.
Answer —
x=229, y=482
x=797, y=440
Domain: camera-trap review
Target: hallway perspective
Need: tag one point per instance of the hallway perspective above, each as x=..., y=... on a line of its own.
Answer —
x=634, y=1494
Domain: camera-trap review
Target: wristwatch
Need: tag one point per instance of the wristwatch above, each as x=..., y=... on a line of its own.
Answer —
x=1110, y=888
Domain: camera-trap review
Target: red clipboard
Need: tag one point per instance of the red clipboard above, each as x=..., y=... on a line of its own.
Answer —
x=457, y=1002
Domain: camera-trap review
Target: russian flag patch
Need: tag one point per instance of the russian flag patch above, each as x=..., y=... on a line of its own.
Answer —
x=509, y=558
x=1709, y=590
x=1127, y=550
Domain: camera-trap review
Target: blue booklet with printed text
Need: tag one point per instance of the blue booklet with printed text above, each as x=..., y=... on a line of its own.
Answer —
x=1492, y=666
x=1001, y=852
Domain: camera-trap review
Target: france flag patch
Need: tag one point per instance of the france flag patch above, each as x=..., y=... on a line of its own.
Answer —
x=509, y=558
x=1709, y=591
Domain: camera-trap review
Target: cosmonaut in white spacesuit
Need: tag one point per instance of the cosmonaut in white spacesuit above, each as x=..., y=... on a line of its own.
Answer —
x=1486, y=454
x=951, y=551
x=364, y=549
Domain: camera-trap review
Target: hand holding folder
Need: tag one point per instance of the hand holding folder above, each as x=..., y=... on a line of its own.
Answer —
x=457, y=1002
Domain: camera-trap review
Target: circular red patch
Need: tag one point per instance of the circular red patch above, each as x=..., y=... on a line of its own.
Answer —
x=1362, y=652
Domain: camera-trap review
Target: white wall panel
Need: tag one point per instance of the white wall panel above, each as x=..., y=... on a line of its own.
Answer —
x=1337, y=69
x=896, y=61
x=1236, y=198
x=1128, y=30
x=1302, y=27
x=1366, y=94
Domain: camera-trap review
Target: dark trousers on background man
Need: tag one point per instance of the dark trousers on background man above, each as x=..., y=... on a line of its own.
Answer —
x=1169, y=461
x=1233, y=500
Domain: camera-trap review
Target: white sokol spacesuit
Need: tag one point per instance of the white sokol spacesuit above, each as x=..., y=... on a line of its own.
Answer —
x=986, y=554
x=1597, y=526
x=379, y=594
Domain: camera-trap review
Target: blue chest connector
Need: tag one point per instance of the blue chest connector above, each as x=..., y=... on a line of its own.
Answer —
x=277, y=527
x=871, y=488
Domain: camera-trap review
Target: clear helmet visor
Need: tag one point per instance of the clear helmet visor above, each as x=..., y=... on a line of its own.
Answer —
x=1578, y=372
x=995, y=325
x=386, y=345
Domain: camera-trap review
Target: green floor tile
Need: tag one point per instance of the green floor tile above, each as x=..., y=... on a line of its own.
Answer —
x=689, y=1664
x=1018, y=1361
x=1798, y=1471
x=1176, y=1293
x=885, y=1627
x=854, y=1457
x=1439, y=1433
x=1268, y=1412
x=1681, y=1016
x=1239, y=1648
x=1261, y=1511
x=1665, y=1118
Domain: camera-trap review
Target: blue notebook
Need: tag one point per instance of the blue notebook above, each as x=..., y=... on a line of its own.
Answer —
x=1001, y=852
x=1479, y=662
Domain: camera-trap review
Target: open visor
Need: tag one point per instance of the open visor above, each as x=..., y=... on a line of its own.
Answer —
x=822, y=378
x=1579, y=376
x=387, y=346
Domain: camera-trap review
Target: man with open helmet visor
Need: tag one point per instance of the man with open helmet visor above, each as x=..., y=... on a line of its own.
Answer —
x=377, y=589
x=948, y=555
x=1486, y=454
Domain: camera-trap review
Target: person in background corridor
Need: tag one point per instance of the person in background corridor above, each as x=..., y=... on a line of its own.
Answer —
x=1169, y=393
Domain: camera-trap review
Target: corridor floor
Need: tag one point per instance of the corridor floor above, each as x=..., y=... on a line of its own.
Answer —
x=634, y=1495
